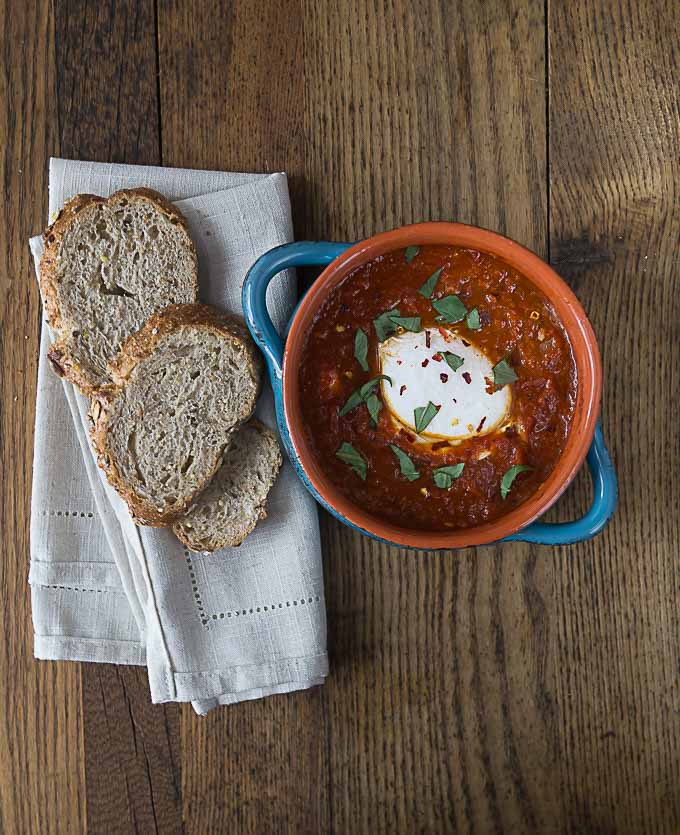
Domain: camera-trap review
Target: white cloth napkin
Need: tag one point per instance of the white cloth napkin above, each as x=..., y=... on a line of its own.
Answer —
x=238, y=624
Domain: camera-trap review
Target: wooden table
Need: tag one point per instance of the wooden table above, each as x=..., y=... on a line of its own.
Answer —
x=512, y=688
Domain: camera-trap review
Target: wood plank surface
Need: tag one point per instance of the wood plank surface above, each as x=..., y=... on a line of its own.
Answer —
x=514, y=688
x=243, y=112
x=110, y=112
x=42, y=775
x=434, y=712
x=615, y=227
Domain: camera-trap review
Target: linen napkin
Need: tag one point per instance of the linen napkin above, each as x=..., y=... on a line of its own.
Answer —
x=213, y=629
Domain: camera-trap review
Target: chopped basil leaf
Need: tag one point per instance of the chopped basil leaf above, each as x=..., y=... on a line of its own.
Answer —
x=360, y=395
x=374, y=405
x=384, y=325
x=428, y=288
x=450, y=308
x=411, y=252
x=443, y=480
x=354, y=458
x=361, y=348
x=390, y=320
x=424, y=415
x=407, y=467
x=503, y=374
x=510, y=476
x=472, y=320
x=355, y=399
x=408, y=323
x=368, y=387
x=444, y=476
x=453, y=361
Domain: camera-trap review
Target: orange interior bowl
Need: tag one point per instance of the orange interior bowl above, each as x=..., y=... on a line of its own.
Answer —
x=570, y=313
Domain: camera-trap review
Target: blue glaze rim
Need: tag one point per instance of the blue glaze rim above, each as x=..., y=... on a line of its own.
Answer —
x=322, y=253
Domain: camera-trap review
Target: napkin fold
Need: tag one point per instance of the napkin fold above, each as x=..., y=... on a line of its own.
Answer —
x=212, y=629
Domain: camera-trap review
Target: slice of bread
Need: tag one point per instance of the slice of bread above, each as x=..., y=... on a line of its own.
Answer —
x=234, y=501
x=108, y=265
x=181, y=387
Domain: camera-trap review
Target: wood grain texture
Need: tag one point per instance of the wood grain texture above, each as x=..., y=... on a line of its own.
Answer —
x=106, y=80
x=132, y=757
x=42, y=787
x=515, y=688
x=232, y=87
x=438, y=706
x=237, y=104
x=615, y=227
x=110, y=112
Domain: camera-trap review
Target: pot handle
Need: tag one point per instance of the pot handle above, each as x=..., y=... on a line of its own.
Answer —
x=605, y=494
x=254, y=297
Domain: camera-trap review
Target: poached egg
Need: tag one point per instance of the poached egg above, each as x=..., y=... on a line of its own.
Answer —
x=416, y=364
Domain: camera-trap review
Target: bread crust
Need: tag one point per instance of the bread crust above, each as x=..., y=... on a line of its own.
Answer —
x=59, y=355
x=186, y=535
x=142, y=344
x=136, y=348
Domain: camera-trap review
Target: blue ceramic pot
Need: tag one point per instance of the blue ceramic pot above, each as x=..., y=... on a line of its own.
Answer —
x=282, y=364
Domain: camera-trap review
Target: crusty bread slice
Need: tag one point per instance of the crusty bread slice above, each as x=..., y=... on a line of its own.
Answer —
x=181, y=386
x=234, y=501
x=108, y=265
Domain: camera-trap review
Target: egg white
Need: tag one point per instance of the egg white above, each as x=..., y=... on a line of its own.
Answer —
x=466, y=408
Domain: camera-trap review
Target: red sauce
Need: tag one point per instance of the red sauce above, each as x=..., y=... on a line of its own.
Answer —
x=516, y=323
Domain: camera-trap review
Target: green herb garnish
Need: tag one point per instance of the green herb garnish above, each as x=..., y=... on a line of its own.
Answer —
x=360, y=395
x=450, y=308
x=355, y=399
x=411, y=252
x=361, y=348
x=354, y=458
x=408, y=323
x=444, y=476
x=384, y=324
x=368, y=387
x=503, y=374
x=390, y=320
x=374, y=405
x=424, y=415
x=472, y=320
x=407, y=467
x=510, y=476
x=428, y=288
x=453, y=361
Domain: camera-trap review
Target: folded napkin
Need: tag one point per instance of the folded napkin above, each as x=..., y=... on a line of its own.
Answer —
x=213, y=629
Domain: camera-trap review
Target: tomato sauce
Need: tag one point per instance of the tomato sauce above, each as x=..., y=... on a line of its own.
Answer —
x=516, y=324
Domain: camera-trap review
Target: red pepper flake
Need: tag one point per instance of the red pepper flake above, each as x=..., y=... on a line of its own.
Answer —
x=467, y=377
x=481, y=423
x=398, y=362
x=445, y=335
x=424, y=363
x=402, y=390
x=437, y=357
x=444, y=378
x=465, y=342
x=427, y=339
x=437, y=407
x=407, y=435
